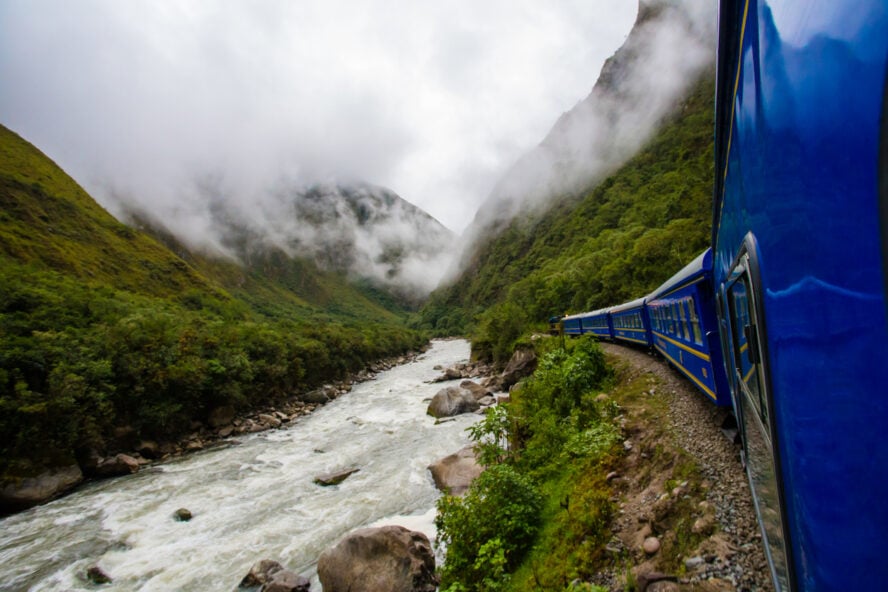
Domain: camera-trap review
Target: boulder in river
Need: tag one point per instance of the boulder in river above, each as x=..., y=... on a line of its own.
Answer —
x=287, y=581
x=478, y=391
x=19, y=495
x=316, y=397
x=454, y=473
x=272, y=577
x=383, y=559
x=336, y=477
x=522, y=363
x=97, y=575
x=183, y=515
x=452, y=401
x=119, y=464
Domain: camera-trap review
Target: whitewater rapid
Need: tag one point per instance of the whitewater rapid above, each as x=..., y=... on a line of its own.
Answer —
x=254, y=500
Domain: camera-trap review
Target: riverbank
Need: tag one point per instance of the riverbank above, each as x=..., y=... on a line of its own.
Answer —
x=126, y=453
x=254, y=501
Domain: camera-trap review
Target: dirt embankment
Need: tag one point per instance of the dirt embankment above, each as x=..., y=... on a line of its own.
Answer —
x=686, y=519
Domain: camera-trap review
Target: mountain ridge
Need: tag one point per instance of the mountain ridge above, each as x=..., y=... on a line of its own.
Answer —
x=107, y=331
x=613, y=239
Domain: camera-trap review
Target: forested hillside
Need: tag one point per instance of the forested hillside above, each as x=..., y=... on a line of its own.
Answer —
x=104, y=328
x=617, y=241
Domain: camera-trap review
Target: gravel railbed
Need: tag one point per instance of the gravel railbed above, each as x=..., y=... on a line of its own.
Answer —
x=696, y=424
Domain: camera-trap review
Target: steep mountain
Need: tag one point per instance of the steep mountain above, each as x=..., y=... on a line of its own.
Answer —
x=671, y=42
x=48, y=220
x=383, y=243
x=630, y=227
x=105, y=330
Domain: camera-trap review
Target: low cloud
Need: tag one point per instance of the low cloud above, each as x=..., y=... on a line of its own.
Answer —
x=666, y=52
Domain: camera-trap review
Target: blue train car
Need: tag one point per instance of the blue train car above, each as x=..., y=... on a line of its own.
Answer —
x=572, y=324
x=598, y=323
x=685, y=328
x=800, y=220
x=630, y=323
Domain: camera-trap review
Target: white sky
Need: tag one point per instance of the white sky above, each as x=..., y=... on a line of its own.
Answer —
x=432, y=99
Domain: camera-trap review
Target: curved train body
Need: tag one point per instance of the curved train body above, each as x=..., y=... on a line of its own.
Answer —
x=685, y=327
x=629, y=322
x=799, y=253
x=785, y=317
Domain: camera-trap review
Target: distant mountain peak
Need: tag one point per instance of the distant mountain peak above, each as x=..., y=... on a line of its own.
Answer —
x=362, y=230
x=671, y=42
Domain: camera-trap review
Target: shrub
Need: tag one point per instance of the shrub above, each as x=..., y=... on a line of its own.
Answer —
x=488, y=531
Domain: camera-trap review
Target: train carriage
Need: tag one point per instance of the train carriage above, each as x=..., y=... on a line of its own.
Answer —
x=630, y=323
x=800, y=220
x=572, y=325
x=598, y=323
x=684, y=327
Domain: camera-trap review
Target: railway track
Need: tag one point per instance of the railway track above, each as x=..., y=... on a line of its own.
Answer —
x=732, y=558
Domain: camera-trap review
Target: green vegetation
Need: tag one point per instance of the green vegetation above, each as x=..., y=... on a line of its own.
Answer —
x=547, y=515
x=103, y=327
x=542, y=490
x=618, y=241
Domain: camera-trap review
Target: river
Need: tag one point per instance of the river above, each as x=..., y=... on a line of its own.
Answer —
x=251, y=501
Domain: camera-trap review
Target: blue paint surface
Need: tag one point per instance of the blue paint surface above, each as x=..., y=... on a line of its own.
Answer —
x=798, y=154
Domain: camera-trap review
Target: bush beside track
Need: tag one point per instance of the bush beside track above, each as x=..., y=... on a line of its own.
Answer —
x=617, y=448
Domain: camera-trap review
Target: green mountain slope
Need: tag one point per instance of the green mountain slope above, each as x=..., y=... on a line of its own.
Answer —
x=49, y=220
x=104, y=327
x=617, y=241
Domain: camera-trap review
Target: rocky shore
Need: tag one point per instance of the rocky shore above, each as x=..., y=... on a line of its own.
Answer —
x=126, y=453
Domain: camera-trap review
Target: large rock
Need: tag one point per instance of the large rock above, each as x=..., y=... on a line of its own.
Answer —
x=478, y=391
x=287, y=581
x=452, y=401
x=36, y=490
x=453, y=474
x=384, y=559
x=272, y=577
x=522, y=363
x=260, y=573
x=317, y=397
x=120, y=464
x=336, y=477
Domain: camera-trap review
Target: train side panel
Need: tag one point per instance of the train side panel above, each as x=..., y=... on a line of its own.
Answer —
x=685, y=328
x=572, y=325
x=630, y=323
x=598, y=323
x=800, y=211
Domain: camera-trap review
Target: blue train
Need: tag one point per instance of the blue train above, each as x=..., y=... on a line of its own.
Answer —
x=785, y=317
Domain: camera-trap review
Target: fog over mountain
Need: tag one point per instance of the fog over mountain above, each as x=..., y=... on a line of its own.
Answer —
x=434, y=100
x=669, y=45
x=363, y=231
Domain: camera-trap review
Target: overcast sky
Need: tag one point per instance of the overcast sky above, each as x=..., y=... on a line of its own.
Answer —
x=432, y=99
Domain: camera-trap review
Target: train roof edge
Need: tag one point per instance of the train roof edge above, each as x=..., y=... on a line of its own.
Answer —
x=701, y=264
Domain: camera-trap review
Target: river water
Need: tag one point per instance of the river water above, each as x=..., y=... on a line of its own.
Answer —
x=251, y=501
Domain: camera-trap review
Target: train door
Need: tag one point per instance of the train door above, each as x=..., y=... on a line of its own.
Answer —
x=746, y=362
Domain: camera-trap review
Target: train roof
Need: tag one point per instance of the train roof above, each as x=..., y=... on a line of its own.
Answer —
x=700, y=265
x=637, y=303
x=584, y=315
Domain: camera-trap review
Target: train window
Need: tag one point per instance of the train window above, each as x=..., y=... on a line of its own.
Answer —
x=745, y=348
x=695, y=322
x=747, y=364
x=684, y=322
x=672, y=318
